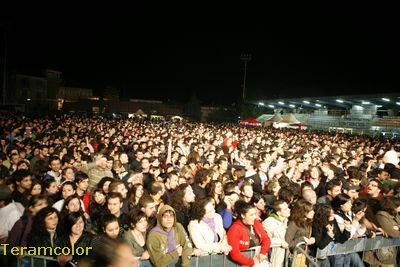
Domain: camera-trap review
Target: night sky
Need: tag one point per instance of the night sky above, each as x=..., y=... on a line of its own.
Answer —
x=171, y=54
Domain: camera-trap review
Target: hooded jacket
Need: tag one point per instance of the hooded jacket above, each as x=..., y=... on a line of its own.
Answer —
x=157, y=243
x=239, y=239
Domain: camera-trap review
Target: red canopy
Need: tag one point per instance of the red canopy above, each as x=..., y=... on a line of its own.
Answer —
x=250, y=122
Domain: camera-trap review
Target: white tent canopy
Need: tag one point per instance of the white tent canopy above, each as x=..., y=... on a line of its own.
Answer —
x=290, y=119
x=265, y=117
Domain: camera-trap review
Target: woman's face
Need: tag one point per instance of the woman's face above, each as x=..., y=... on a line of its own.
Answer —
x=38, y=206
x=314, y=173
x=310, y=214
x=99, y=198
x=36, y=190
x=69, y=175
x=74, y=205
x=250, y=216
x=331, y=216
x=139, y=192
x=67, y=191
x=189, y=195
x=260, y=205
x=141, y=225
x=105, y=186
x=346, y=207
x=51, y=221
x=52, y=188
x=112, y=230
x=218, y=189
x=78, y=227
x=209, y=209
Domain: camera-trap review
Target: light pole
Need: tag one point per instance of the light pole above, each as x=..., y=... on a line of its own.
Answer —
x=245, y=58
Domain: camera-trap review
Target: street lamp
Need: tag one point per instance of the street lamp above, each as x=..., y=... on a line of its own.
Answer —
x=245, y=58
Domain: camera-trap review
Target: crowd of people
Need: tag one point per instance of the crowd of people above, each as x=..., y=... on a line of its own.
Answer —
x=136, y=190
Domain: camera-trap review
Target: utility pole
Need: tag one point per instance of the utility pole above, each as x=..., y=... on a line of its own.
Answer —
x=245, y=58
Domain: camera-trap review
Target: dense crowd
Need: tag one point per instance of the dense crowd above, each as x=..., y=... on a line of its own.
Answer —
x=135, y=190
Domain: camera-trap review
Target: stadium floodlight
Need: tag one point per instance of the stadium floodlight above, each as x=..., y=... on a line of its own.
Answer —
x=385, y=99
x=306, y=102
x=365, y=103
x=318, y=105
x=28, y=99
x=271, y=106
x=378, y=106
x=398, y=103
x=261, y=103
x=281, y=103
x=339, y=100
x=292, y=106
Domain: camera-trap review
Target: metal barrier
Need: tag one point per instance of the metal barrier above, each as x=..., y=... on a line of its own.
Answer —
x=357, y=245
x=350, y=246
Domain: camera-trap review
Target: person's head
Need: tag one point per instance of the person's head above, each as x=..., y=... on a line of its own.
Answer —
x=98, y=197
x=359, y=205
x=281, y=208
x=310, y=196
x=302, y=213
x=182, y=197
x=135, y=193
x=390, y=204
x=157, y=189
x=46, y=219
x=231, y=187
x=104, y=184
x=203, y=208
x=272, y=187
x=37, y=203
x=68, y=174
x=324, y=215
x=351, y=190
x=374, y=187
x=203, y=177
x=246, y=212
x=286, y=194
x=82, y=181
x=247, y=190
x=166, y=218
x=258, y=201
x=333, y=188
x=341, y=203
x=110, y=226
x=75, y=223
x=72, y=204
x=172, y=180
x=215, y=188
x=55, y=163
x=118, y=186
x=22, y=180
x=114, y=203
x=50, y=186
x=145, y=164
x=137, y=219
x=67, y=189
x=36, y=188
x=315, y=172
x=148, y=206
x=232, y=198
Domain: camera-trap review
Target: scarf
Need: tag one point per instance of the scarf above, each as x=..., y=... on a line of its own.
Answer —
x=170, y=235
x=211, y=223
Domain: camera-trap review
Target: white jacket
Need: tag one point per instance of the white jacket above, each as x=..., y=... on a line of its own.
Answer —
x=203, y=237
x=276, y=231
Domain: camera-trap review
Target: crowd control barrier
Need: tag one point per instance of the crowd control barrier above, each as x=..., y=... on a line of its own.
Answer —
x=350, y=246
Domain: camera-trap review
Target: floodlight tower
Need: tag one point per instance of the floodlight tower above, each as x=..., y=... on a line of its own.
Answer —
x=245, y=58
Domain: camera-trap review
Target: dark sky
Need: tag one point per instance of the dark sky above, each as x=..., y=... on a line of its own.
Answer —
x=168, y=54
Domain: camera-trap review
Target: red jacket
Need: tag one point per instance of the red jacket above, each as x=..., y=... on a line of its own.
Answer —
x=238, y=239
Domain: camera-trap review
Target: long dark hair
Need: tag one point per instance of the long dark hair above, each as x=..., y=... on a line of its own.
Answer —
x=177, y=196
x=198, y=210
x=40, y=223
x=298, y=214
x=338, y=201
x=321, y=216
x=390, y=204
x=71, y=219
